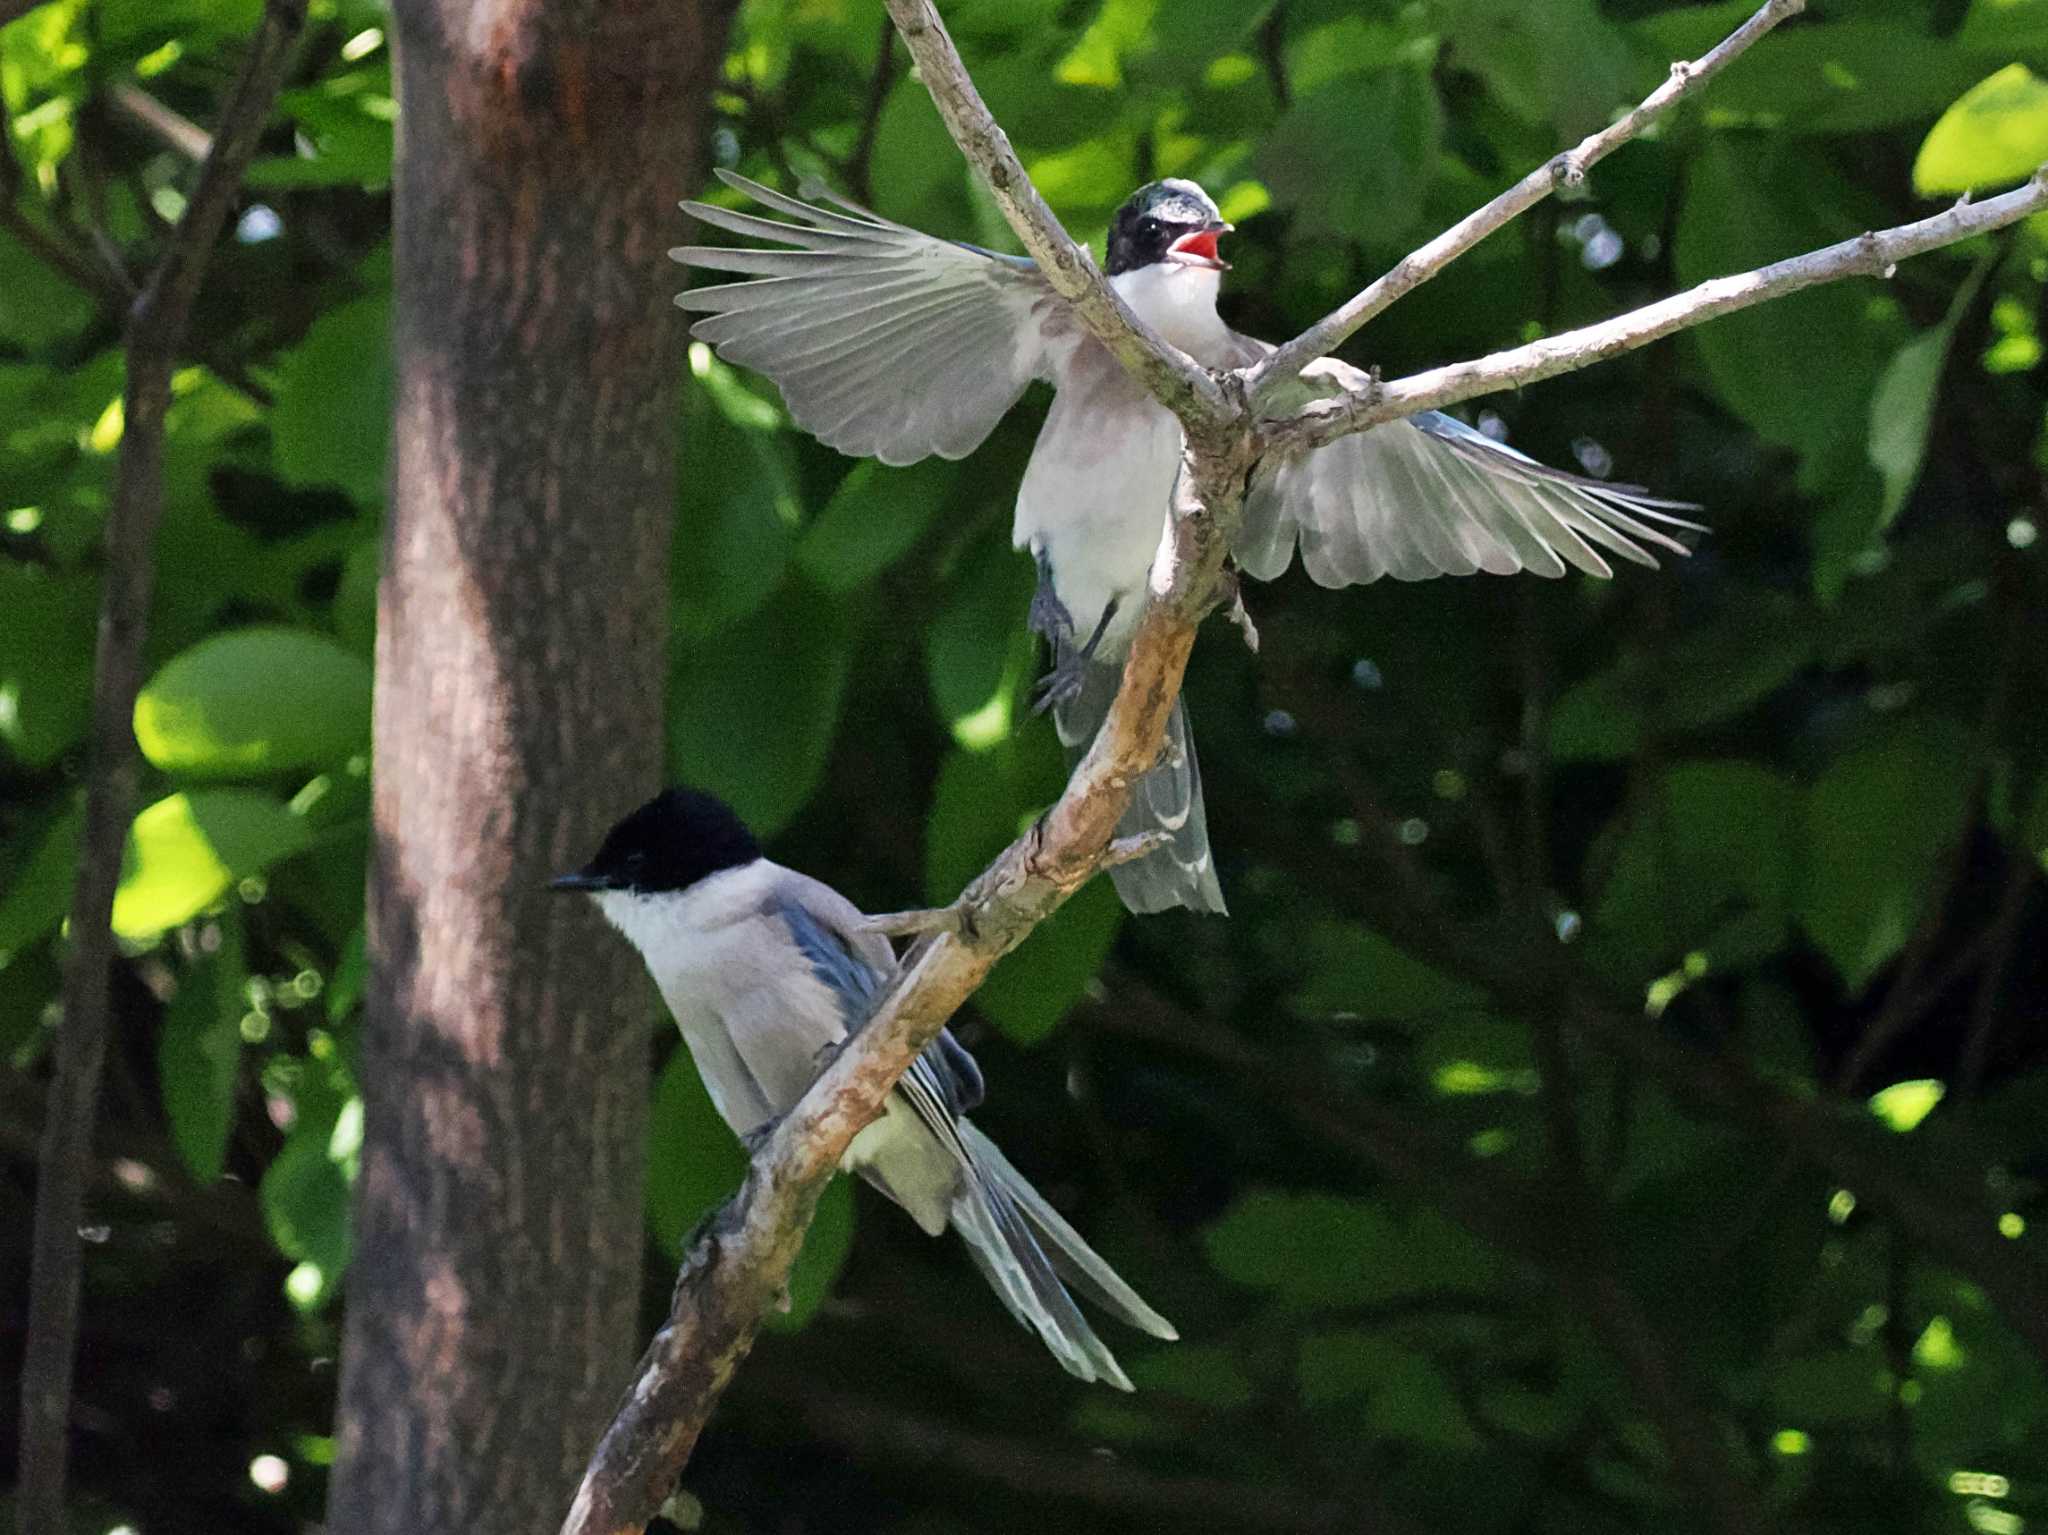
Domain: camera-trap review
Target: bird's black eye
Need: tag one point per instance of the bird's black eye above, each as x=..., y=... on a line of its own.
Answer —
x=1149, y=226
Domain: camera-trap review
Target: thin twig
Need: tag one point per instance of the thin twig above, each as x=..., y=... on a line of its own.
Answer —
x=1567, y=169
x=1188, y=391
x=1872, y=254
x=174, y=128
x=156, y=328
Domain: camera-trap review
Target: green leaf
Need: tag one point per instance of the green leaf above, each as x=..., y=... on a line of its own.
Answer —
x=1878, y=819
x=1718, y=842
x=1408, y=1395
x=1904, y=1104
x=871, y=522
x=29, y=987
x=47, y=624
x=1755, y=642
x=39, y=891
x=41, y=308
x=1561, y=64
x=199, y=1055
x=1997, y=132
x=253, y=702
x=978, y=653
x=694, y=1164
x=1351, y=969
x=1352, y=160
x=1749, y=202
x=1836, y=77
x=1325, y=1250
x=752, y=709
x=305, y=1199
x=332, y=423
x=186, y=852
x=982, y=801
x=737, y=503
x=345, y=134
x=1902, y=410
x=1209, y=1375
x=1845, y=1385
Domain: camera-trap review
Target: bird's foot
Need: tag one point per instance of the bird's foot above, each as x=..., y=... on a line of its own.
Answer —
x=1048, y=615
x=1062, y=685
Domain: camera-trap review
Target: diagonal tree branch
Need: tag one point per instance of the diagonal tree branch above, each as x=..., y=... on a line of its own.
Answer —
x=1188, y=391
x=1568, y=169
x=1872, y=254
x=155, y=332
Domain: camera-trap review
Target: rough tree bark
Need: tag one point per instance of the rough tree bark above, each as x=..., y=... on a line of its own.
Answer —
x=520, y=661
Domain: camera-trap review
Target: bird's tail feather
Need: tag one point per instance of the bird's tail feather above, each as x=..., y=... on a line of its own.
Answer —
x=1018, y=1270
x=1168, y=799
x=1075, y=1261
x=1023, y=1248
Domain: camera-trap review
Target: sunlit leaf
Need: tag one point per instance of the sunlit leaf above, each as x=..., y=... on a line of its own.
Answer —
x=255, y=701
x=1997, y=132
x=1904, y=1104
x=187, y=851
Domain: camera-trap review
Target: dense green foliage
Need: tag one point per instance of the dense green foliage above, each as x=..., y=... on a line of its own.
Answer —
x=1783, y=803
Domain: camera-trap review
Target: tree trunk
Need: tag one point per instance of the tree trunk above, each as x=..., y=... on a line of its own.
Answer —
x=520, y=663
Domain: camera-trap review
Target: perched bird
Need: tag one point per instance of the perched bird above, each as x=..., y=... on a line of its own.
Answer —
x=891, y=344
x=766, y=971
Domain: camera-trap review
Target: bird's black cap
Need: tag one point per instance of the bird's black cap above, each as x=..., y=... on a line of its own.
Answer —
x=1154, y=217
x=675, y=839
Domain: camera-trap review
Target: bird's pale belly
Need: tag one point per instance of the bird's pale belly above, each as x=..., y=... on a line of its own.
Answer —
x=1095, y=500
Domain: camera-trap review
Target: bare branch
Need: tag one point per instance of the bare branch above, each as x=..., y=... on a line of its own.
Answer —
x=1872, y=254
x=1567, y=169
x=156, y=329
x=1188, y=391
x=177, y=131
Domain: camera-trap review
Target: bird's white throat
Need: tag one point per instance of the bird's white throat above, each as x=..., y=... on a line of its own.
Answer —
x=1178, y=301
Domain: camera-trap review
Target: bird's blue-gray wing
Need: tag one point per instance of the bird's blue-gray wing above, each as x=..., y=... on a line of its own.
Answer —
x=944, y=1082
x=886, y=343
x=1431, y=496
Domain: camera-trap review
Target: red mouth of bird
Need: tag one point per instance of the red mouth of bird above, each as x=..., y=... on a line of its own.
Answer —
x=1198, y=250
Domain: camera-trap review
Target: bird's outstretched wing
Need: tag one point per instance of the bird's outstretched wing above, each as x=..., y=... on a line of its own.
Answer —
x=1431, y=496
x=886, y=343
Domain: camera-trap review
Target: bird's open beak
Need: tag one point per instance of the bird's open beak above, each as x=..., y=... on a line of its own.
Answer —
x=1198, y=249
x=582, y=879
